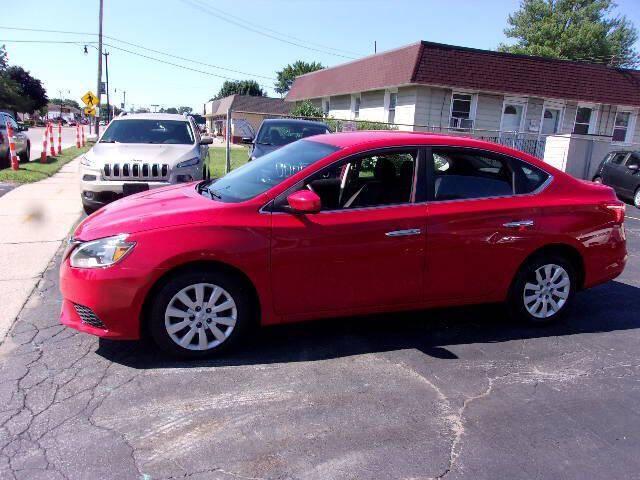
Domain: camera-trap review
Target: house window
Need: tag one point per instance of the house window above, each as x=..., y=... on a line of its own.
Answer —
x=585, y=120
x=393, y=101
x=621, y=127
x=461, y=111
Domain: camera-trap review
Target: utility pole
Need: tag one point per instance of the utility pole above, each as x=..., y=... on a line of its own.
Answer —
x=99, y=62
x=375, y=46
x=106, y=71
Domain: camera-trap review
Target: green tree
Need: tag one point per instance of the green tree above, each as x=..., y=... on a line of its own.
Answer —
x=32, y=96
x=288, y=74
x=173, y=110
x=307, y=109
x=240, y=87
x=574, y=30
x=182, y=110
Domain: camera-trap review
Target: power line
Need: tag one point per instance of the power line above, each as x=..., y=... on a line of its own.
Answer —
x=2, y=27
x=184, y=67
x=208, y=10
x=262, y=27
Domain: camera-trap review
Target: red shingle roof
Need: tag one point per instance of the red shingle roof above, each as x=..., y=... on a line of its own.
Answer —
x=450, y=66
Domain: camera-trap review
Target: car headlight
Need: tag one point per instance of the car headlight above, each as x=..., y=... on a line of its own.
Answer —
x=189, y=163
x=101, y=253
x=86, y=161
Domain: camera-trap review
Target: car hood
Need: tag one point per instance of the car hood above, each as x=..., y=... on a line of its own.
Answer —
x=149, y=153
x=155, y=209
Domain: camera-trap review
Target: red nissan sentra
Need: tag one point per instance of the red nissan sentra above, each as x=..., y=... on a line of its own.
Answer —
x=343, y=224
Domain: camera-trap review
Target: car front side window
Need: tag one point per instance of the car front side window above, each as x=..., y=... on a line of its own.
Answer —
x=372, y=180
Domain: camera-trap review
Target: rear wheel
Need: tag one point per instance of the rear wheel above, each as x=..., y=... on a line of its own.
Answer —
x=201, y=313
x=597, y=179
x=543, y=290
x=636, y=198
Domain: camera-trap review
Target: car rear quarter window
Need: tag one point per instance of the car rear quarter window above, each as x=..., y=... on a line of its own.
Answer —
x=528, y=177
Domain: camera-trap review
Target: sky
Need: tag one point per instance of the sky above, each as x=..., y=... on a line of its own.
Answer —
x=222, y=33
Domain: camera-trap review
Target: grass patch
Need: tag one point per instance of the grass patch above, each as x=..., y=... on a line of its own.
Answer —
x=218, y=159
x=34, y=171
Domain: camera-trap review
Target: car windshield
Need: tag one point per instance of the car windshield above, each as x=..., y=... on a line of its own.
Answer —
x=149, y=131
x=283, y=133
x=260, y=175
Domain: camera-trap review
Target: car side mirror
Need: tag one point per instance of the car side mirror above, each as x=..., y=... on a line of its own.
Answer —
x=304, y=201
x=206, y=141
x=634, y=167
x=247, y=140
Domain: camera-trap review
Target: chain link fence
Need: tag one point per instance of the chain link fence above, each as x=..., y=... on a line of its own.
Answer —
x=245, y=129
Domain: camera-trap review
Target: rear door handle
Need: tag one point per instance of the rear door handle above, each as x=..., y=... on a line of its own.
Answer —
x=519, y=224
x=404, y=233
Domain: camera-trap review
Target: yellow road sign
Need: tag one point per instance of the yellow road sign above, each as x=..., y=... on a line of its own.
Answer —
x=89, y=99
x=91, y=111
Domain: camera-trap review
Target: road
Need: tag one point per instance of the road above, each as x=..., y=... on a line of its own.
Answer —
x=452, y=394
x=35, y=137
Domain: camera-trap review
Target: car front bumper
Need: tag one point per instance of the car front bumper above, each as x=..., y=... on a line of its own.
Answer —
x=110, y=300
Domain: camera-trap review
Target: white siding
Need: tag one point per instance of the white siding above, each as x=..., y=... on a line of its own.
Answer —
x=570, y=110
x=432, y=108
x=372, y=106
x=489, y=112
x=534, y=115
x=406, y=108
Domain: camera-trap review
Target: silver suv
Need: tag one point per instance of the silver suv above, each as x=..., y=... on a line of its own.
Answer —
x=137, y=152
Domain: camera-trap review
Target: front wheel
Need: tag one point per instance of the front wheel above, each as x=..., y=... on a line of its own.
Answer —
x=636, y=198
x=24, y=156
x=200, y=313
x=543, y=290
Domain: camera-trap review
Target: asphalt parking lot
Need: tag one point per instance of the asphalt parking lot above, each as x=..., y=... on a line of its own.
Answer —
x=458, y=393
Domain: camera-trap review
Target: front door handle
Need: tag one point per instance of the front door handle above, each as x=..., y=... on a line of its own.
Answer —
x=519, y=224
x=404, y=233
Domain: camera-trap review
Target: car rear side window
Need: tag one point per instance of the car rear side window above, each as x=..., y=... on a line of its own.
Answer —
x=465, y=174
x=528, y=177
x=618, y=158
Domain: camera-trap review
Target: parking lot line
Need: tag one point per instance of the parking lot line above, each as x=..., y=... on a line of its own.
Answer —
x=632, y=218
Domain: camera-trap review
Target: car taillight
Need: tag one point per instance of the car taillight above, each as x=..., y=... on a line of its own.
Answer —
x=616, y=209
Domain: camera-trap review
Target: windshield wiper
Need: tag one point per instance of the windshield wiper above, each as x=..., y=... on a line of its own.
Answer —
x=214, y=194
x=108, y=141
x=264, y=143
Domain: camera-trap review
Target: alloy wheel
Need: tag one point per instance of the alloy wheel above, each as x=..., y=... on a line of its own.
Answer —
x=200, y=316
x=636, y=199
x=545, y=295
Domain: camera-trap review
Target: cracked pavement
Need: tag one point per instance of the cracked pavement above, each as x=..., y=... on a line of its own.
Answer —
x=450, y=394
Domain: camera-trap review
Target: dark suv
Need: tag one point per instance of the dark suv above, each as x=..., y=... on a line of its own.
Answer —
x=23, y=146
x=274, y=134
x=620, y=170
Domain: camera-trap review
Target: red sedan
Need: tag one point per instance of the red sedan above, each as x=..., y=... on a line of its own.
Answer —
x=335, y=225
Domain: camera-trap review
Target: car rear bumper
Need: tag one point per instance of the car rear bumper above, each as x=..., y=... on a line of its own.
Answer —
x=607, y=260
x=105, y=302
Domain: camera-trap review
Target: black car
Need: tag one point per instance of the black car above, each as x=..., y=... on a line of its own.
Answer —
x=274, y=134
x=620, y=170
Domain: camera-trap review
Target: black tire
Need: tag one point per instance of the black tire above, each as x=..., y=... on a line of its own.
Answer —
x=5, y=160
x=230, y=283
x=24, y=156
x=88, y=209
x=527, y=275
x=597, y=179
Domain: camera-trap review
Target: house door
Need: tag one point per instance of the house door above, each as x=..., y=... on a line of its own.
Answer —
x=550, y=121
x=511, y=118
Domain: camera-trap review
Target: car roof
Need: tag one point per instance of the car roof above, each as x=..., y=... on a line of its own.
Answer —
x=153, y=116
x=289, y=121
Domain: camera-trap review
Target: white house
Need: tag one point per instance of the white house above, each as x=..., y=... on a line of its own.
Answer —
x=513, y=99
